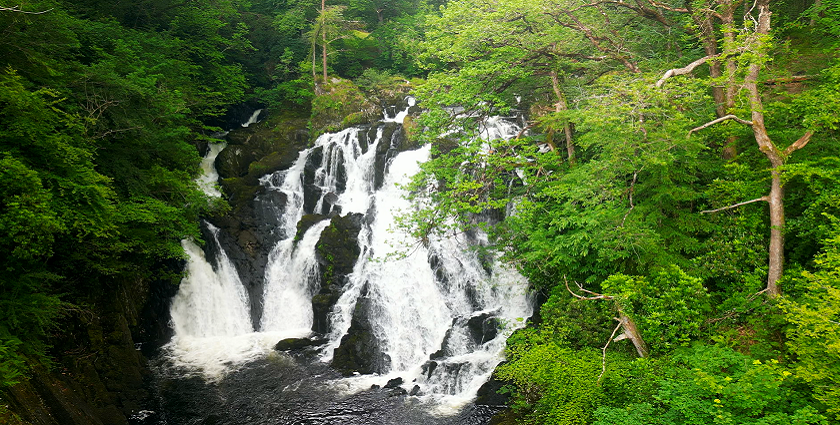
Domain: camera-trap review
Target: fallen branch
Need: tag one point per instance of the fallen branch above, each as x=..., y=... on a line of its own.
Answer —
x=788, y=80
x=719, y=120
x=763, y=198
x=604, y=351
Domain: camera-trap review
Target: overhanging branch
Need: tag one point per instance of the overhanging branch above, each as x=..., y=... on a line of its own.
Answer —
x=763, y=198
x=18, y=10
x=719, y=120
x=684, y=70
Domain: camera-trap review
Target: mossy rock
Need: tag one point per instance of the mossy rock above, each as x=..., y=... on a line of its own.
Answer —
x=264, y=147
x=412, y=135
x=341, y=105
x=305, y=223
x=238, y=191
x=337, y=252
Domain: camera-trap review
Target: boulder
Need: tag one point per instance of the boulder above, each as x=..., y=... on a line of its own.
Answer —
x=488, y=394
x=483, y=327
x=298, y=344
x=394, y=383
x=359, y=350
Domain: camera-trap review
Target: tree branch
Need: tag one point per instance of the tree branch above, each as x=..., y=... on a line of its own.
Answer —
x=684, y=70
x=719, y=120
x=799, y=144
x=596, y=296
x=632, y=187
x=763, y=198
x=604, y=351
x=17, y=9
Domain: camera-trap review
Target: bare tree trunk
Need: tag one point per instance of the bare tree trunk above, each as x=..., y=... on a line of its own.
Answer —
x=777, y=209
x=560, y=106
x=632, y=333
x=730, y=151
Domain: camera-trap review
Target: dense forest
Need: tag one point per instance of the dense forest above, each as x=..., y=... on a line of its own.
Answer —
x=674, y=200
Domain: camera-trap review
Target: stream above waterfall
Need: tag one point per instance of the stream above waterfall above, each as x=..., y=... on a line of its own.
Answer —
x=392, y=332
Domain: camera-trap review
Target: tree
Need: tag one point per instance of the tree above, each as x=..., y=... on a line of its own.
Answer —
x=752, y=47
x=330, y=26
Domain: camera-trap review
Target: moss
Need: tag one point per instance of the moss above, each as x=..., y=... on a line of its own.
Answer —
x=9, y=418
x=332, y=110
x=355, y=118
x=238, y=191
x=412, y=133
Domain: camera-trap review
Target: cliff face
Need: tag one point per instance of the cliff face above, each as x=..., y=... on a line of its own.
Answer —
x=100, y=367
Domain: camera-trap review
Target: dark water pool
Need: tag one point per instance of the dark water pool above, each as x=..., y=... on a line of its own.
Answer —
x=286, y=390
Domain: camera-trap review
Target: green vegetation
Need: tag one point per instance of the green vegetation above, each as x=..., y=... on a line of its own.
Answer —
x=674, y=199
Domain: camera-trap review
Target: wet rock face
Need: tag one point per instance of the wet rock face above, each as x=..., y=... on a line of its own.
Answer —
x=483, y=327
x=359, y=349
x=337, y=251
x=392, y=139
x=488, y=394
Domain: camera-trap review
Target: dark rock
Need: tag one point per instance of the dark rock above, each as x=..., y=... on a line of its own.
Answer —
x=375, y=387
x=305, y=223
x=233, y=161
x=329, y=204
x=429, y=368
x=297, y=344
x=415, y=390
x=396, y=392
x=359, y=350
x=386, y=150
x=394, y=383
x=311, y=192
x=483, y=327
x=488, y=394
x=336, y=252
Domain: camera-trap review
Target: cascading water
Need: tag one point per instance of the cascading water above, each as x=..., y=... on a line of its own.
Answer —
x=439, y=313
x=255, y=116
x=292, y=280
x=209, y=176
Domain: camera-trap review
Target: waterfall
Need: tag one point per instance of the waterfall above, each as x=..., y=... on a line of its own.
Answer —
x=291, y=281
x=253, y=119
x=400, y=117
x=209, y=309
x=209, y=177
x=439, y=312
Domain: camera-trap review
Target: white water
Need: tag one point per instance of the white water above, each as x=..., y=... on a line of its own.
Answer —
x=413, y=305
x=253, y=119
x=413, y=309
x=209, y=177
x=400, y=117
x=291, y=281
x=209, y=310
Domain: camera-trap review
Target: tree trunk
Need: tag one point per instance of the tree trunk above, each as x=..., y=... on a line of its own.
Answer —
x=632, y=333
x=777, y=234
x=776, y=158
x=324, y=39
x=730, y=151
x=560, y=106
